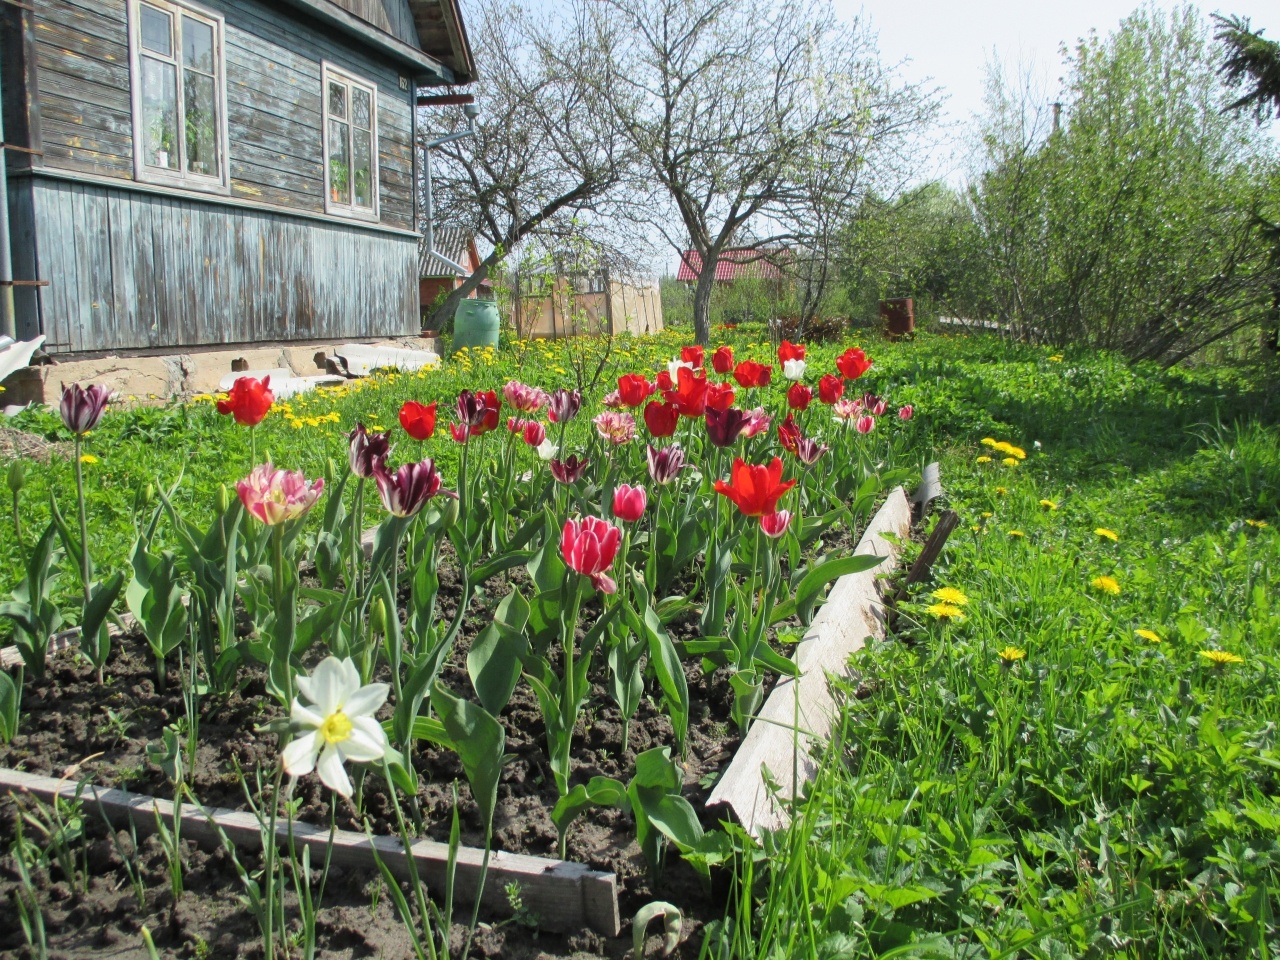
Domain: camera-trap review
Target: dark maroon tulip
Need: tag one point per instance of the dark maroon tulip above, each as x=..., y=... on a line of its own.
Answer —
x=665, y=464
x=82, y=408
x=810, y=451
x=569, y=469
x=407, y=491
x=564, y=405
x=364, y=449
x=725, y=426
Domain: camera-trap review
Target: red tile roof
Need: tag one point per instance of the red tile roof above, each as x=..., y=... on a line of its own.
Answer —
x=734, y=264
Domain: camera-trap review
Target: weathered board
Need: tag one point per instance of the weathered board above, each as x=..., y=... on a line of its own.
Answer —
x=799, y=712
x=138, y=270
x=565, y=896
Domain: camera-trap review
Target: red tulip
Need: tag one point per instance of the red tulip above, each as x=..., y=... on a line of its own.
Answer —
x=722, y=360
x=588, y=547
x=755, y=489
x=534, y=433
x=853, y=363
x=865, y=424
x=789, y=434
x=690, y=394
x=692, y=355
x=248, y=400
x=419, y=421
x=661, y=418
x=629, y=502
x=830, y=388
x=906, y=412
x=664, y=380
x=82, y=408
x=799, y=396
x=790, y=351
x=633, y=389
x=720, y=396
x=775, y=524
x=478, y=412
x=751, y=374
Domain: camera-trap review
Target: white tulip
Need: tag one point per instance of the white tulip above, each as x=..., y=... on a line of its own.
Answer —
x=546, y=449
x=674, y=365
x=338, y=725
x=793, y=369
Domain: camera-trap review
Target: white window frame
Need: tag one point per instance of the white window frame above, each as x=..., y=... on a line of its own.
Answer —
x=220, y=180
x=335, y=207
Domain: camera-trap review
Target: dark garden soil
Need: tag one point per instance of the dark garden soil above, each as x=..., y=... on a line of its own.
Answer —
x=73, y=727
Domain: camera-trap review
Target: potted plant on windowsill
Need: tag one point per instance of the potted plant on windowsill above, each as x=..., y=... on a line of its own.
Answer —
x=162, y=138
x=339, y=179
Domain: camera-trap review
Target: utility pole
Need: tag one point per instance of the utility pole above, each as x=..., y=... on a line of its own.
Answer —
x=1057, y=115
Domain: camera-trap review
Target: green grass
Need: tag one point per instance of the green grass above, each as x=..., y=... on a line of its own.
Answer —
x=1104, y=795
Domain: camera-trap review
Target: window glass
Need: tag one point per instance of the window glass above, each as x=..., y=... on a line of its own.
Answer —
x=202, y=124
x=337, y=100
x=362, y=176
x=360, y=107
x=197, y=45
x=339, y=163
x=157, y=33
x=159, y=113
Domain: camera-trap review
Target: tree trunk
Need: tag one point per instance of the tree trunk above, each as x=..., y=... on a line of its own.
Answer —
x=702, y=303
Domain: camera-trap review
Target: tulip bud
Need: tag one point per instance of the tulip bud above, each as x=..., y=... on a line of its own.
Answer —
x=17, y=477
x=224, y=499
x=378, y=616
x=448, y=512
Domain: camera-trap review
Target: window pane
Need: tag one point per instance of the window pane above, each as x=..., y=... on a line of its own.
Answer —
x=197, y=45
x=363, y=168
x=337, y=100
x=157, y=34
x=201, y=115
x=360, y=107
x=339, y=163
x=159, y=113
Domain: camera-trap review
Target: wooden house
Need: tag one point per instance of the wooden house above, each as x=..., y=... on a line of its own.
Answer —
x=592, y=302
x=184, y=173
x=734, y=264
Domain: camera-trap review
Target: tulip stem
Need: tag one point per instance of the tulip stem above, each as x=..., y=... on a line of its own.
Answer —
x=357, y=553
x=84, y=524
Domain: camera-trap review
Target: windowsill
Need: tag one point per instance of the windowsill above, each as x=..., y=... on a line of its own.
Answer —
x=348, y=213
x=157, y=177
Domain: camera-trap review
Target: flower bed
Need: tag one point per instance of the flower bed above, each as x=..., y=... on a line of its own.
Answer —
x=575, y=617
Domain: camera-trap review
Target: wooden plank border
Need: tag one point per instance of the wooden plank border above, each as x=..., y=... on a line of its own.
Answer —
x=799, y=712
x=565, y=896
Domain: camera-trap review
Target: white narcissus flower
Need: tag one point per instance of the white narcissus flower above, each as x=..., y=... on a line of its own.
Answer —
x=338, y=725
x=546, y=449
x=793, y=369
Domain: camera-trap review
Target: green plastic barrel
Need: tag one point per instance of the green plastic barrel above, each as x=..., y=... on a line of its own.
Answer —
x=475, y=324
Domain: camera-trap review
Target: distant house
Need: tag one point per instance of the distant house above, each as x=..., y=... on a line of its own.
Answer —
x=735, y=264
x=186, y=173
x=436, y=276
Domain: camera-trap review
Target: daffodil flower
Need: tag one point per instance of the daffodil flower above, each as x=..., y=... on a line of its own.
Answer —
x=337, y=726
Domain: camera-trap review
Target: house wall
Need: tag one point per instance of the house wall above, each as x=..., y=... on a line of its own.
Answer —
x=134, y=265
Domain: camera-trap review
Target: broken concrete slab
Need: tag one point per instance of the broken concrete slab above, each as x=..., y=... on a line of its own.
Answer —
x=283, y=383
x=360, y=360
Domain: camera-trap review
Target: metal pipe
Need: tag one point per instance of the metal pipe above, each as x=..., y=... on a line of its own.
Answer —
x=8, y=324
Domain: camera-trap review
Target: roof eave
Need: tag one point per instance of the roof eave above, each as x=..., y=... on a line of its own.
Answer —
x=417, y=62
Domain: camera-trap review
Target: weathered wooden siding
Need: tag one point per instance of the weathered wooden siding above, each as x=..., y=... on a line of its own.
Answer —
x=134, y=270
x=274, y=114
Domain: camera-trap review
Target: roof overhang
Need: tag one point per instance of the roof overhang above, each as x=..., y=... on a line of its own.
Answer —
x=431, y=66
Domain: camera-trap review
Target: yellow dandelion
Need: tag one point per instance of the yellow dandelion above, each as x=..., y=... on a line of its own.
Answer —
x=89, y=458
x=1002, y=490
x=1107, y=534
x=1016, y=533
x=1056, y=358
x=1106, y=584
x=1146, y=634
x=984, y=460
x=1010, y=461
x=1011, y=655
x=987, y=442
x=1049, y=504
x=945, y=611
x=1259, y=524
x=987, y=514
x=951, y=595
x=1220, y=658
x=976, y=528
